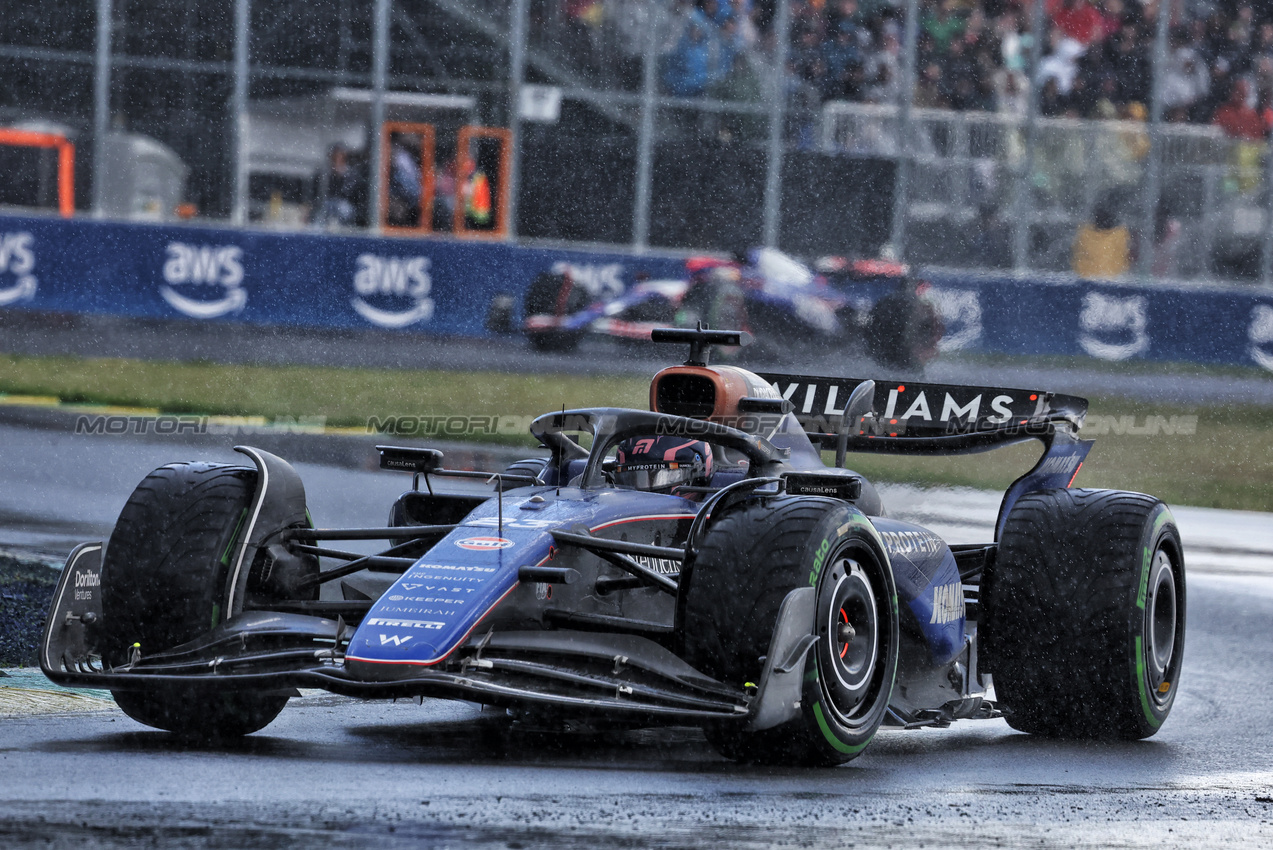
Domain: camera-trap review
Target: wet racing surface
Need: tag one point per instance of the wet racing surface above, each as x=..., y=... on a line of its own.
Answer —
x=334, y=772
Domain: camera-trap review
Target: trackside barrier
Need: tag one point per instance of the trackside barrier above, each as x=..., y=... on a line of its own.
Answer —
x=445, y=287
x=1222, y=324
x=435, y=286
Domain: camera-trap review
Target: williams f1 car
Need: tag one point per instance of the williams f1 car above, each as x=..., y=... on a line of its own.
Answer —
x=868, y=307
x=697, y=563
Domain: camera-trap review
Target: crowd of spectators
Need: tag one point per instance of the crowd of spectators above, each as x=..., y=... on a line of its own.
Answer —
x=974, y=55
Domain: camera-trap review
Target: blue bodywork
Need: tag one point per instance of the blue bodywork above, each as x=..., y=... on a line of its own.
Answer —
x=928, y=582
x=433, y=607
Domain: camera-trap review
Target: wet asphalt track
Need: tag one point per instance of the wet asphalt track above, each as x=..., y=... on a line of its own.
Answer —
x=335, y=772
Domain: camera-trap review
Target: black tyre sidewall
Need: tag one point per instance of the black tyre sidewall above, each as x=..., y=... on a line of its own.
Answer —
x=147, y=598
x=840, y=537
x=165, y=582
x=751, y=559
x=554, y=295
x=1065, y=616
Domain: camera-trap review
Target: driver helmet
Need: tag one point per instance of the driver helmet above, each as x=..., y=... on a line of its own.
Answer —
x=661, y=463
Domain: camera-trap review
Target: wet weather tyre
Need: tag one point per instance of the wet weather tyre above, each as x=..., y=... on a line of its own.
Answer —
x=553, y=296
x=902, y=331
x=1084, y=614
x=747, y=564
x=164, y=582
x=535, y=467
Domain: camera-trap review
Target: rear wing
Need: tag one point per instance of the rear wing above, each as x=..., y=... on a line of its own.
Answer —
x=909, y=417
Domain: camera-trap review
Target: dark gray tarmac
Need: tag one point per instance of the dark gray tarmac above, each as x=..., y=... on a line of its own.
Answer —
x=334, y=772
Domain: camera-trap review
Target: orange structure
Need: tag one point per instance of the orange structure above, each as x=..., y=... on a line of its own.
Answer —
x=425, y=132
x=479, y=196
x=65, y=161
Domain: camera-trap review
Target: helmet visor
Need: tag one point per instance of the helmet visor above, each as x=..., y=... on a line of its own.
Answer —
x=652, y=476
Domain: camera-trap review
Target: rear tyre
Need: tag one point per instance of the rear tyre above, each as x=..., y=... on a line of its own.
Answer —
x=535, y=467
x=902, y=330
x=748, y=563
x=555, y=296
x=1084, y=614
x=164, y=582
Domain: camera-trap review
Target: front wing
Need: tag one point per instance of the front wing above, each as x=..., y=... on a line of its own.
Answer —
x=614, y=674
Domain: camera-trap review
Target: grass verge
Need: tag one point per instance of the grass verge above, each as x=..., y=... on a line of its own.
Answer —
x=1195, y=455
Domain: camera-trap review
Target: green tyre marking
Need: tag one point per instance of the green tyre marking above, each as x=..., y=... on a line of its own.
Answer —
x=225, y=561
x=229, y=547
x=1139, y=670
x=1147, y=555
x=819, y=560
x=835, y=742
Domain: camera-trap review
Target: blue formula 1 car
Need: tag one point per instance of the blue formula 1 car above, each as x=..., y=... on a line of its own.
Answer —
x=868, y=307
x=696, y=563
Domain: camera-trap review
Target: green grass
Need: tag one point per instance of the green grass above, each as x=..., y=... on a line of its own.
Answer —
x=1227, y=462
x=345, y=397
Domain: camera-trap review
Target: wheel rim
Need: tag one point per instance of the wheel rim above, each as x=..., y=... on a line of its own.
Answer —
x=851, y=640
x=1161, y=616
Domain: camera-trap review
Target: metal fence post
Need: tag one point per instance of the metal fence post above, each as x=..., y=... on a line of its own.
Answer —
x=905, y=129
x=517, y=69
x=239, y=114
x=101, y=104
x=380, y=71
x=777, y=117
x=645, y=136
x=1021, y=205
x=1149, y=201
x=1266, y=256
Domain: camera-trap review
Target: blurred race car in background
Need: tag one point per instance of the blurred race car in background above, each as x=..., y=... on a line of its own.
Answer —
x=872, y=307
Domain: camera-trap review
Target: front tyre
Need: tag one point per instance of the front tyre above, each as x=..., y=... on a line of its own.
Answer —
x=1085, y=614
x=748, y=563
x=555, y=297
x=164, y=582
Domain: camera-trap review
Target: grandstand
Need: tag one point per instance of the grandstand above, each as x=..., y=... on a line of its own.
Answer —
x=669, y=134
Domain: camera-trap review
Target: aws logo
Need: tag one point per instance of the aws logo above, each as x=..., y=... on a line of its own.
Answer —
x=17, y=258
x=603, y=280
x=960, y=311
x=393, y=292
x=1259, y=334
x=1113, y=327
x=204, y=281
